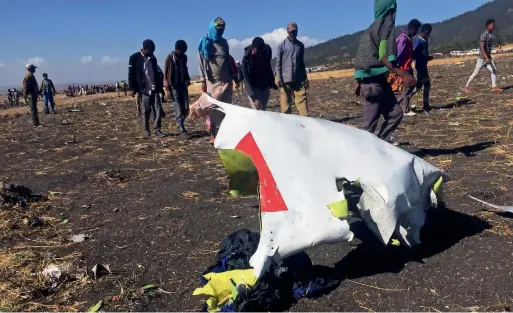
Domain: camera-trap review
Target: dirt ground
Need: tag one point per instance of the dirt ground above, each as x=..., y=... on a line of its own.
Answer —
x=155, y=210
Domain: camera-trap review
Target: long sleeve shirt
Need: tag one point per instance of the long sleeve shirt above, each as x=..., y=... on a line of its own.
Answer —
x=290, y=62
x=219, y=68
x=30, y=87
x=175, y=71
x=421, y=55
x=404, y=51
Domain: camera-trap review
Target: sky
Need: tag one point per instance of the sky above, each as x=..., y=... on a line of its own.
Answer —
x=90, y=41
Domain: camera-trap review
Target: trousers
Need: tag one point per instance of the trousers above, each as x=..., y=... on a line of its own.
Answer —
x=289, y=94
x=380, y=100
x=151, y=103
x=48, y=97
x=481, y=63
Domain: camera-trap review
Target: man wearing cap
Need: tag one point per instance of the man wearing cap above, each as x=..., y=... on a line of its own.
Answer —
x=291, y=73
x=48, y=91
x=30, y=92
x=176, y=82
x=258, y=73
x=143, y=77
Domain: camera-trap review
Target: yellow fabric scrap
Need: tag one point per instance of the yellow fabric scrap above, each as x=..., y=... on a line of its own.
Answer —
x=221, y=287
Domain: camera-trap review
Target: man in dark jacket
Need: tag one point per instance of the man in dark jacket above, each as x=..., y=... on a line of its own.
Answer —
x=30, y=92
x=144, y=78
x=258, y=74
x=176, y=82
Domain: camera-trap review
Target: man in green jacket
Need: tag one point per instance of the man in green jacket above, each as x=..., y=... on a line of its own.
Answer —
x=376, y=57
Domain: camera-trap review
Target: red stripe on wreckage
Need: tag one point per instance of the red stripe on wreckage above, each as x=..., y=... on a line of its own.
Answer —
x=270, y=196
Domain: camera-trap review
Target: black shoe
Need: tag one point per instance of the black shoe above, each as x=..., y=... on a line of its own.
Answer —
x=46, y=112
x=147, y=133
x=160, y=134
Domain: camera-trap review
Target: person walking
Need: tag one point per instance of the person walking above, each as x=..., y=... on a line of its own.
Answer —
x=291, y=73
x=258, y=74
x=30, y=92
x=176, y=83
x=405, y=62
x=485, y=58
x=422, y=57
x=48, y=92
x=144, y=79
x=376, y=56
x=215, y=70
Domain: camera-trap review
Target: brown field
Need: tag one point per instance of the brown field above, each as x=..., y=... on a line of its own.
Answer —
x=155, y=210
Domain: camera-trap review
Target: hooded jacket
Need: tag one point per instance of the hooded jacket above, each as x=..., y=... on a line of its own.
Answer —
x=378, y=40
x=404, y=51
x=250, y=79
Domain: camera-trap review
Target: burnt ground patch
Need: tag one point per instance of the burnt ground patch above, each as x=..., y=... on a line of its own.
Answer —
x=155, y=210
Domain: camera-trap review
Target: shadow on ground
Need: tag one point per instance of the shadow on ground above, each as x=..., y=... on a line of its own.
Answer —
x=444, y=228
x=468, y=151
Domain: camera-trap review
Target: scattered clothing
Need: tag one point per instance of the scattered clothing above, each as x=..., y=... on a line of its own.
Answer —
x=232, y=287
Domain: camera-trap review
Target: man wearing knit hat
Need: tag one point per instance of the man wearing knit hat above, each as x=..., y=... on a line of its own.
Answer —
x=291, y=72
x=376, y=56
x=176, y=82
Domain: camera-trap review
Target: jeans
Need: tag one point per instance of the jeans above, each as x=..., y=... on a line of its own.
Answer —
x=151, y=103
x=48, y=97
x=481, y=63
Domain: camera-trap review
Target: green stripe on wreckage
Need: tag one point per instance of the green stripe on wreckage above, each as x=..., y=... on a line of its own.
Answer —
x=242, y=172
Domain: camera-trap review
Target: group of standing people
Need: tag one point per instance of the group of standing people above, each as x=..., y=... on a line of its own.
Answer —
x=219, y=73
x=384, y=68
x=31, y=93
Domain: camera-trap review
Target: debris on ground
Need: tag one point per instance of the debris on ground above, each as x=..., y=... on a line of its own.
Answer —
x=78, y=238
x=231, y=286
x=299, y=198
x=112, y=176
x=100, y=270
x=493, y=206
x=15, y=194
x=96, y=307
x=34, y=221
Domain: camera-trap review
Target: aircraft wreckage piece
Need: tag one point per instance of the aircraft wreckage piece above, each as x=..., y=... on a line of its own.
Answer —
x=298, y=163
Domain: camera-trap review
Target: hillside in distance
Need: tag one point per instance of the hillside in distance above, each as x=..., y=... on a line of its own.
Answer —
x=458, y=33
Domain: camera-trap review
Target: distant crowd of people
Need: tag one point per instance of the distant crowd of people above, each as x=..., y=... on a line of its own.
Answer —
x=83, y=90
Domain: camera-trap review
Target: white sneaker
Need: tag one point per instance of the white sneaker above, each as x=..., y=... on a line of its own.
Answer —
x=411, y=113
